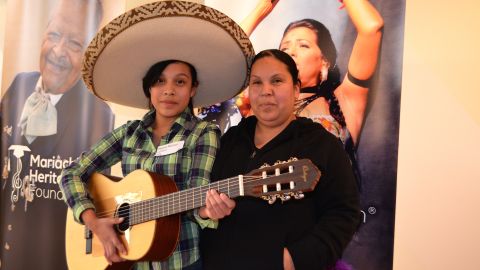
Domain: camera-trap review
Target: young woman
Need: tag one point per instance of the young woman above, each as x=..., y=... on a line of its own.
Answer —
x=310, y=233
x=169, y=86
x=169, y=140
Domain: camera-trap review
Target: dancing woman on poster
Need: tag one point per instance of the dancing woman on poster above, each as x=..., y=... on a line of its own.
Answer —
x=339, y=105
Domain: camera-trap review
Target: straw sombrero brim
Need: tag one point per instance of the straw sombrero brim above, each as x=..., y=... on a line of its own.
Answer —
x=121, y=53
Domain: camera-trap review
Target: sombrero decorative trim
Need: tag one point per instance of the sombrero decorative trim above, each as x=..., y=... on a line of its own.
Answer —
x=120, y=54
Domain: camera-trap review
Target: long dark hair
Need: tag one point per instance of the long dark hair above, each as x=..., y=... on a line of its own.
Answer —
x=327, y=47
x=326, y=88
x=156, y=70
x=324, y=39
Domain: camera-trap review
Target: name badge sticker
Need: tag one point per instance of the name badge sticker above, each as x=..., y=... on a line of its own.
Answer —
x=170, y=148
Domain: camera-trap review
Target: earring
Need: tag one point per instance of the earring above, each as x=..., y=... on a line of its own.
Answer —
x=323, y=74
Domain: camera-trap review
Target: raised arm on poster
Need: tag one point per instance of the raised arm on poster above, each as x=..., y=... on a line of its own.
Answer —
x=338, y=106
x=263, y=8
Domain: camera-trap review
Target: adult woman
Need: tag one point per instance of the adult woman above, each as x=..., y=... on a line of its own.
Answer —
x=169, y=140
x=338, y=106
x=306, y=234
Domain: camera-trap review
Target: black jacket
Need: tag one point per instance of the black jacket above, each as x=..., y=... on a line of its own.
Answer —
x=315, y=229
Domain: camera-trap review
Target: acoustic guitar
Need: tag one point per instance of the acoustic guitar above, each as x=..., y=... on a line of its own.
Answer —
x=151, y=205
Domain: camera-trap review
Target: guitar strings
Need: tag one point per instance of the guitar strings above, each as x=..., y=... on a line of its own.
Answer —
x=183, y=194
x=151, y=205
x=180, y=202
x=143, y=210
x=179, y=196
x=174, y=197
x=146, y=206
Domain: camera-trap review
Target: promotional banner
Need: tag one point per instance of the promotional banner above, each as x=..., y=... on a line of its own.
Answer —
x=370, y=133
x=48, y=118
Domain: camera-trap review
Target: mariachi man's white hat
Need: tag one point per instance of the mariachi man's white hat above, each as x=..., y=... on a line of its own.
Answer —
x=122, y=52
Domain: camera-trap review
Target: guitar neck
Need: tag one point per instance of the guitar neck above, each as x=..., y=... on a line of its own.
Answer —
x=181, y=201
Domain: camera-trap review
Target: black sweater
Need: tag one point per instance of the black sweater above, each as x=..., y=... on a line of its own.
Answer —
x=315, y=229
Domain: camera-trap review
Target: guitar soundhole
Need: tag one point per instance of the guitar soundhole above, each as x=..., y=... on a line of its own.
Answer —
x=123, y=211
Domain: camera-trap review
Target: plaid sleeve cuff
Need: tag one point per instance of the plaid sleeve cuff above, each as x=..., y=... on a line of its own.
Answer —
x=205, y=223
x=81, y=206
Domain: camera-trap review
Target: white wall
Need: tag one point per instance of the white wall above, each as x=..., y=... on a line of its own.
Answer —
x=438, y=196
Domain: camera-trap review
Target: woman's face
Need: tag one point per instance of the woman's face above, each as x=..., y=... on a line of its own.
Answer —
x=301, y=44
x=272, y=92
x=171, y=94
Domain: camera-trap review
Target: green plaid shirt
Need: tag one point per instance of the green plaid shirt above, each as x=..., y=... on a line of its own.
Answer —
x=132, y=145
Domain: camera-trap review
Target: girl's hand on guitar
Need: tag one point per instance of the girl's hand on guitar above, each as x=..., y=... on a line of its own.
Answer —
x=217, y=205
x=103, y=229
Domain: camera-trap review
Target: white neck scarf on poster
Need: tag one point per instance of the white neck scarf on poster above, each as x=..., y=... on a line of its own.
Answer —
x=39, y=115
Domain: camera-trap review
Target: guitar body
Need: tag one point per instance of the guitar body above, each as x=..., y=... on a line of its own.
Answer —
x=151, y=203
x=152, y=240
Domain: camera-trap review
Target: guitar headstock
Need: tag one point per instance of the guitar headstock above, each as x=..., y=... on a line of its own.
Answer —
x=283, y=180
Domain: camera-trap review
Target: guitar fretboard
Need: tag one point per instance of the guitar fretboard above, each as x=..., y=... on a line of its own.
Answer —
x=181, y=201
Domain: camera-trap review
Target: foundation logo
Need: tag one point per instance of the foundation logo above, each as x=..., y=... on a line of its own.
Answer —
x=20, y=186
x=32, y=176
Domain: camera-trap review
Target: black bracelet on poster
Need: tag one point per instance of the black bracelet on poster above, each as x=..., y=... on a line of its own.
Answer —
x=362, y=83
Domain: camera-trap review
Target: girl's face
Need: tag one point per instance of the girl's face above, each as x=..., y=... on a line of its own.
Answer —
x=301, y=44
x=171, y=93
x=272, y=92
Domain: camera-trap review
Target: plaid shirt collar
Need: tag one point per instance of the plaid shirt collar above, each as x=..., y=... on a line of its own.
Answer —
x=184, y=120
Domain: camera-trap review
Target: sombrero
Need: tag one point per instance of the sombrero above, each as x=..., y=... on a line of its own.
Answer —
x=122, y=52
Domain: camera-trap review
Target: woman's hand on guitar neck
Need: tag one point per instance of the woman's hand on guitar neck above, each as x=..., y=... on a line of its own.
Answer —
x=217, y=206
x=103, y=229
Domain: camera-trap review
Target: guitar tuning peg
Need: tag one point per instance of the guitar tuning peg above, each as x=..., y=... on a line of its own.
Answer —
x=292, y=159
x=298, y=195
x=270, y=198
x=264, y=165
x=279, y=162
x=285, y=197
